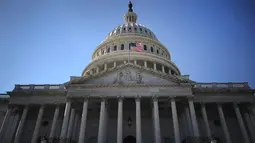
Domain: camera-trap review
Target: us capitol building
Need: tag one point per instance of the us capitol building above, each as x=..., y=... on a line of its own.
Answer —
x=129, y=96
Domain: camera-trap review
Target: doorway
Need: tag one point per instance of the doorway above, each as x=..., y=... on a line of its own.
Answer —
x=129, y=139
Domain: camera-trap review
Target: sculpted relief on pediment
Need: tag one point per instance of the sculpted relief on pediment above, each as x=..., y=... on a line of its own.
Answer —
x=128, y=75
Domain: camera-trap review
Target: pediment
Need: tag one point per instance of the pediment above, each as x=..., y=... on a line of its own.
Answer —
x=128, y=74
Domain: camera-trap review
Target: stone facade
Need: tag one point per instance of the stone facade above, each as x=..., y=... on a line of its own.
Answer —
x=129, y=96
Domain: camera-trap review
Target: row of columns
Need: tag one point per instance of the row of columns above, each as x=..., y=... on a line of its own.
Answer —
x=135, y=62
x=69, y=117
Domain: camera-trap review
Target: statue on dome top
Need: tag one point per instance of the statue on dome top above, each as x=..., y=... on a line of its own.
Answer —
x=130, y=5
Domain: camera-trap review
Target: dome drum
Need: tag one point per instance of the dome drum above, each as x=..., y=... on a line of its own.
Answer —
x=123, y=45
x=146, y=61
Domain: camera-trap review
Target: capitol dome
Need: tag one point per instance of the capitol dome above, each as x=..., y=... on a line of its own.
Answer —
x=115, y=49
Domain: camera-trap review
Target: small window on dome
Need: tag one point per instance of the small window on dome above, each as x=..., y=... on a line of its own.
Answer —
x=102, y=52
x=163, y=53
x=135, y=29
x=145, y=31
x=145, y=47
x=152, y=49
x=115, y=48
x=141, y=29
x=108, y=50
x=157, y=51
x=129, y=29
x=122, y=47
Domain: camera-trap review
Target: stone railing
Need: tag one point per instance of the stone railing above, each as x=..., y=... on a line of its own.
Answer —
x=39, y=87
x=222, y=85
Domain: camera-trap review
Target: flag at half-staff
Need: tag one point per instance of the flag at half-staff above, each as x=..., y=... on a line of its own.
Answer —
x=137, y=46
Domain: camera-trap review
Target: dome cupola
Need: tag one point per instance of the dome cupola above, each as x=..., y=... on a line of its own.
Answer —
x=130, y=16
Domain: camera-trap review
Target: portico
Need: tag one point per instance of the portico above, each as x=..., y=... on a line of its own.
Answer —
x=114, y=111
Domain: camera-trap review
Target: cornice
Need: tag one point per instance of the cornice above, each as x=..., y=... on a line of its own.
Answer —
x=129, y=85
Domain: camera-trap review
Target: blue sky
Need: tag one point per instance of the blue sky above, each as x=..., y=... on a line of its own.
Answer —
x=46, y=42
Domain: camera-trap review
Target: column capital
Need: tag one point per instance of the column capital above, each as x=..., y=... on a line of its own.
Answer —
x=190, y=98
x=171, y=98
x=86, y=98
x=42, y=105
x=120, y=98
x=155, y=98
x=202, y=104
x=103, y=98
x=137, y=98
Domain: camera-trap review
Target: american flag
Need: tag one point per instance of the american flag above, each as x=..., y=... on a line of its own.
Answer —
x=137, y=46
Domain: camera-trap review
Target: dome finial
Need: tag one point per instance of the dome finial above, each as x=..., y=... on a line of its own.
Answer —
x=130, y=5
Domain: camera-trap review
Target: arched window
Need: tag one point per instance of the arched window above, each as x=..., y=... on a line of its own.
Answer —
x=122, y=47
x=118, y=31
x=115, y=48
x=108, y=50
x=141, y=30
x=129, y=29
x=152, y=49
x=102, y=51
x=135, y=29
x=145, y=31
x=157, y=51
x=124, y=30
x=144, y=47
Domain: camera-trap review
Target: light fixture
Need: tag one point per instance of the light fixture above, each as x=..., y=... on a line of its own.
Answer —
x=129, y=121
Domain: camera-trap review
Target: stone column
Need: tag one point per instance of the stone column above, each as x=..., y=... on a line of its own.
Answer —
x=5, y=123
x=76, y=120
x=252, y=116
x=105, y=66
x=13, y=127
x=138, y=120
x=157, y=134
x=241, y=124
x=193, y=118
x=21, y=124
x=102, y=122
x=54, y=122
x=250, y=126
x=155, y=66
x=188, y=120
x=65, y=122
x=206, y=122
x=145, y=64
x=120, y=120
x=83, y=121
x=38, y=124
x=163, y=69
x=223, y=123
x=70, y=125
x=175, y=121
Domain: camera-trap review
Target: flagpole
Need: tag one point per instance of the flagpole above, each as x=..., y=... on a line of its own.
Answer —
x=129, y=53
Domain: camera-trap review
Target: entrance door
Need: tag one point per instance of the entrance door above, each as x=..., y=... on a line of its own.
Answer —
x=129, y=139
